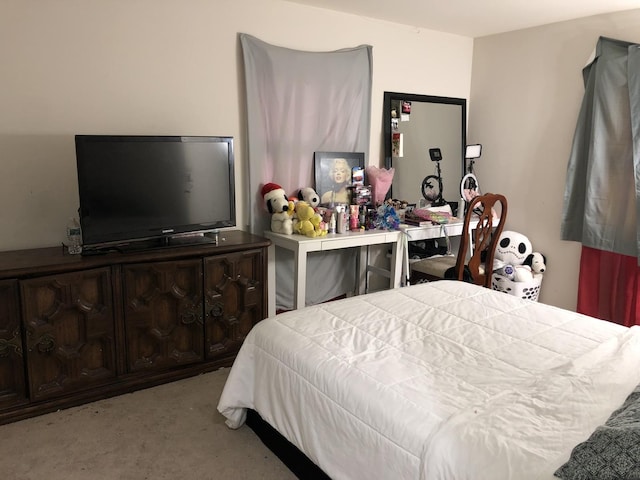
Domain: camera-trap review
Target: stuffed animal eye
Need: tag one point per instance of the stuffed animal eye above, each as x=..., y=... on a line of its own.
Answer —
x=522, y=248
x=504, y=243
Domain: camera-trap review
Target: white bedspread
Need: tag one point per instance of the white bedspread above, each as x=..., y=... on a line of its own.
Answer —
x=438, y=381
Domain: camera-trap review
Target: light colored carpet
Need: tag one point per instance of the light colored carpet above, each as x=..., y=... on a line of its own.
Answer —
x=172, y=431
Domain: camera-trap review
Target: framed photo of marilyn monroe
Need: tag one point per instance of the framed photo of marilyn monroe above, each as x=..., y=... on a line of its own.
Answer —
x=333, y=175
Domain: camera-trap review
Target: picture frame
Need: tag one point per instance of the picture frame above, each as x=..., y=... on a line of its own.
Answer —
x=332, y=175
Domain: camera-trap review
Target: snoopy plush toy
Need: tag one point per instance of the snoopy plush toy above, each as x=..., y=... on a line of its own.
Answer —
x=278, y=205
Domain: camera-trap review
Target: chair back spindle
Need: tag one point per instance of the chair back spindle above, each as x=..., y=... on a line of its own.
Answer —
x=482, y=208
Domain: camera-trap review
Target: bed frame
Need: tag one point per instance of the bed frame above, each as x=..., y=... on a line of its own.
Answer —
x=301, y=466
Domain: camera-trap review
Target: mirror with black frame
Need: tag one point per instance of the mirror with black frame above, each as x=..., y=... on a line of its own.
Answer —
x=414, y=127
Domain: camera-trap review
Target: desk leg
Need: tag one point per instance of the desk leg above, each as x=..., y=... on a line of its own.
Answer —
x=271, y=280
x=397, y=255
x=300, y=279
x=362, y=267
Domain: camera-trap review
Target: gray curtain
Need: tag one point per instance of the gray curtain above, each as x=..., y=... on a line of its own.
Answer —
x=603, y=176
x=298, y=103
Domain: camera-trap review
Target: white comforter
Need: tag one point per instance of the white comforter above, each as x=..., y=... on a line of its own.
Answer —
x=443, y=380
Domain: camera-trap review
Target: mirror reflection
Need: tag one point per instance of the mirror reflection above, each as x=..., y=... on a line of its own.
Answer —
x=414, y=125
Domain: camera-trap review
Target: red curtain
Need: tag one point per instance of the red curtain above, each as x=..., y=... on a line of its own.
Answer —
x=608, y=286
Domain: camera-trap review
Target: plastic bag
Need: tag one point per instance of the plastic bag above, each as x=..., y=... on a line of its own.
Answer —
x=380, y=180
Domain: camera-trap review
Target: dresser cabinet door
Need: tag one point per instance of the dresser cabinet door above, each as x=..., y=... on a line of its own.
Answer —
x=163, y=314
x=69, y=332
x=233, y=300
x=12, y=380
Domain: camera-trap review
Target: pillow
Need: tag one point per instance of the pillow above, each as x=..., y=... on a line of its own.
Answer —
x=612, y=451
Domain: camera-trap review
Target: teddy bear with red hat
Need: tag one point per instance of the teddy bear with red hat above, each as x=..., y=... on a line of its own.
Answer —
x=278, y=205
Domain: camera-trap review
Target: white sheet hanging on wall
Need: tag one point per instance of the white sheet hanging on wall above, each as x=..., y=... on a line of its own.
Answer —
x=298, y=103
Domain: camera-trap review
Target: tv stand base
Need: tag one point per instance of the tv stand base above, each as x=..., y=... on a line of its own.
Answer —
x=209, y=238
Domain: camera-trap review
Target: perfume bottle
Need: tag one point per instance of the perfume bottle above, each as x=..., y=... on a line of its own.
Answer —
x=354, y=217
x=74, y=237
x=332, y=223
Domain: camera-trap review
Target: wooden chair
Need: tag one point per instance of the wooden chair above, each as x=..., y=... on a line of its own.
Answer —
x=477, y=245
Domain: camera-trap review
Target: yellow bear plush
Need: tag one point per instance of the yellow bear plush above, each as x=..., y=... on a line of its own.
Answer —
x=307, y=221
x=319, y=225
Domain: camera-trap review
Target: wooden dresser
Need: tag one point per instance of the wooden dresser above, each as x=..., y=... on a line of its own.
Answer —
x=75, y=329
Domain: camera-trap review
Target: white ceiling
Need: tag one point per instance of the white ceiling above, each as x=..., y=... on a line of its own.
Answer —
x=474, y=18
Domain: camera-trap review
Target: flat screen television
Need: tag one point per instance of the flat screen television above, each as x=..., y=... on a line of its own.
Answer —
x=152, y=191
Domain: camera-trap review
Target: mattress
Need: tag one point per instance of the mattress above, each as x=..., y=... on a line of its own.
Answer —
x=443, y=380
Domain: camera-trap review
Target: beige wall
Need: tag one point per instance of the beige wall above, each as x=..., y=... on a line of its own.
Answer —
x=525, y=97
x=173, y=67
x=165, y=67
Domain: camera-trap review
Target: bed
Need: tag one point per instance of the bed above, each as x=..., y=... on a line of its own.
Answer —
x=441, y=381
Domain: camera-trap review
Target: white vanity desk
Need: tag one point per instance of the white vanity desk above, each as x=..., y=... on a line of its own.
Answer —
x=301, y=245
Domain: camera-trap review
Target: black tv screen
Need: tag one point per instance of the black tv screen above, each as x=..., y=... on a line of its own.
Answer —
x=134, y=188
